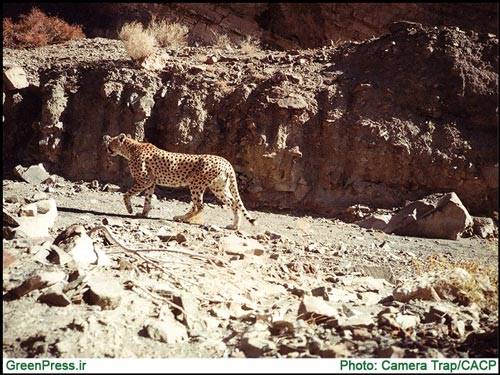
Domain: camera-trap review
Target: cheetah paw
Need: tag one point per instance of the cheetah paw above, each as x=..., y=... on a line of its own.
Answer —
x=232, y=227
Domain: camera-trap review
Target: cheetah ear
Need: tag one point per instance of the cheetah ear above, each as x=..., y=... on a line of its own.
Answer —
x=129, y=136
x=122, y=137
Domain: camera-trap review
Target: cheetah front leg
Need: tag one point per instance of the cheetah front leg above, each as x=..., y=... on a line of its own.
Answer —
x=139, y=185
x=148, y=193
x=194, y=214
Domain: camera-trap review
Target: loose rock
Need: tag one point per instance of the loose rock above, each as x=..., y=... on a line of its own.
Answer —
x=235, y=245
x=104, y=292
x=40, y=281
x=35, y=174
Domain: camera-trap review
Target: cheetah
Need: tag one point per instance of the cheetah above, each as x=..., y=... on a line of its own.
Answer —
x=151, y=166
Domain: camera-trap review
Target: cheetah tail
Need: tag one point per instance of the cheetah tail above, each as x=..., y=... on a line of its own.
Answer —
x=233, y=186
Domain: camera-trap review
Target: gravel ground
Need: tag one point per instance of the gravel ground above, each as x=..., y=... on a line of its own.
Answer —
x=259, y=301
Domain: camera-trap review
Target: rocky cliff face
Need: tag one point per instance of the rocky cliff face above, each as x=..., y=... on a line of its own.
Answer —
x=390, y=119
x=282, y=26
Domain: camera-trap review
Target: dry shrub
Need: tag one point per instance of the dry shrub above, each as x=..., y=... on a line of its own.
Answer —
x=223, y=41
x=36, y=29
x=470, y=289
x=223, y=87
x=172, y=35
x=138, y=42
x=250, y=45
x=129, y=29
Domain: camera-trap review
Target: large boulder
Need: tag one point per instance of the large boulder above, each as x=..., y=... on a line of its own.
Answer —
x=14, y=78
x=435, y=216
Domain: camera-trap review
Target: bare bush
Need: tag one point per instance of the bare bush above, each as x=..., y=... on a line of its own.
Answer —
x=36, y=29
x=139, y=43
x=470, y=289
x=223, y=41
x=250, y=45
x=130, y=29
x=171, y=35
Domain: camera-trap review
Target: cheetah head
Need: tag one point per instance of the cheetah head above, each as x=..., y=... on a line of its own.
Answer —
x=115, y=145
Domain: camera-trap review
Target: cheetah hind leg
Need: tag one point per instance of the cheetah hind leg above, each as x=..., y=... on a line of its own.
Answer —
x=195, y=214
x=224, y=195
x=192, y=217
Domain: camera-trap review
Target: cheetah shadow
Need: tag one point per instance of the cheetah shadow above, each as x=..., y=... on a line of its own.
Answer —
x=111, y=214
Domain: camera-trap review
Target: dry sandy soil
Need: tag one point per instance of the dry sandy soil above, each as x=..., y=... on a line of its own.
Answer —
x=308, y=287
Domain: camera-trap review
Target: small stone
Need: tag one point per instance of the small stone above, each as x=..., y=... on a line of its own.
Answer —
x=180, y=238
x=38, y=226
x=255, y=346
x=484, y=227
x=58, y=256
x=406, y=322
x=166, y=329
x=213, y=228
x=9, y=220
x=40, y=254
x=335, y=351
x=211, y=60
x=314, y=248
x=423, y=290
x=125, y=265
x=221, y=312
x=391, y=352
x=361, y=334
x=104, y=292
x=166, y=234
x=340, y=295
x=28, y=210
x=12, y=199
x=317, y=309
x=54, y=296
x=320, y=291
x=111, y=188
x=360, y=320
x=39, y=196
x=281, y=328
x=273, y=235
x=40, y=281
x=235, y=245
x=8, y=259
x=195, y=69
x=111, y=221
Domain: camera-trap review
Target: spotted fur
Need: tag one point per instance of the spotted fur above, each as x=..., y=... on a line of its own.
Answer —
x=151, y=166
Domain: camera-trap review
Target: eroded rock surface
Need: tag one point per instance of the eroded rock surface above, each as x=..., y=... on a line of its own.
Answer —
x=380, y=122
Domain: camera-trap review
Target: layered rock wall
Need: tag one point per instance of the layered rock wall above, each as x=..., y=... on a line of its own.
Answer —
x=379, y=122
